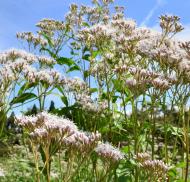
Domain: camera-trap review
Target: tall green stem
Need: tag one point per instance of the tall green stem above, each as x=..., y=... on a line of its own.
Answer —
x=165, y=129
x=153, y=127
x=135, y=130
x=3, y=118
x=187, y=148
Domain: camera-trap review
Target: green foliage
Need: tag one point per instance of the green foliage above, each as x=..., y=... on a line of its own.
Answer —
x=22, y=98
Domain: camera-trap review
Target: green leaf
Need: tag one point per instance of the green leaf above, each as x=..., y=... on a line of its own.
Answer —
x=124, y=178
x=172, y=172
x=52, y=54
x=117, y=85
x=86, y=57
x=180, y=165
x=22, y=98
x=104, y=95
x=60, y=89
x=65, y=61
x=25, y=87
x=63, y=97
x=65, y=101
x=85, y=24
x=93, y=90
x=86, y=73
x=114, y=98
x=94, y=54
x=73, y=68
x=125, y=149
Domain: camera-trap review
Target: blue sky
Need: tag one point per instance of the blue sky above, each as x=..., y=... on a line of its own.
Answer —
x=22, y=15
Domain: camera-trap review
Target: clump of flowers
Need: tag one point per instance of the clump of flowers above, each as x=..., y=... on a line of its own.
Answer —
x=109, y=153
x=32, y=39
x=52, y=133
x=47, y=126
x=88, y=104
x=156, y=169
x=82, y=142
x=110, y=157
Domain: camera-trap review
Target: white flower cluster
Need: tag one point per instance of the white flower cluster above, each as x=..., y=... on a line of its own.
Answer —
x=156, y=167
x=141, y=157
x=100, y=69
x=50, y=24
x=126, y=40
x=89, y=105
x=82, y=141
x=45, y=127
x=142, y=77
x=170, y=23
x=109, y=153
x=11, y=55
x=31, y=38
x=96, y=35
x=50, y=77
x=53, y=77
x=17, y=56
x=29, y=122
x=16, y=62
x=45, y=60
x=169, y=53
x=7, y=77
x=77, y=16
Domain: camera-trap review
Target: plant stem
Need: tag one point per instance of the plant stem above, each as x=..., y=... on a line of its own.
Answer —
x=187, y=148
x=135, y=128
x=153, y=126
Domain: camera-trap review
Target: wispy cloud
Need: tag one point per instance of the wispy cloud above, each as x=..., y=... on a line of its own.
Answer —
x=152, y=11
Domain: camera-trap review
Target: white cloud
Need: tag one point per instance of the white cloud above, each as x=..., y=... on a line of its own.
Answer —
x=151, y=12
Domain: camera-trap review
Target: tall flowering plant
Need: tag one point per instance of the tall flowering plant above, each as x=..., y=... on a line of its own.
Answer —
x=134, y=83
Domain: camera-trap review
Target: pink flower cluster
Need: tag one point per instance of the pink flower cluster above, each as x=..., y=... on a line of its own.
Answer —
x=45, y=127
x=157, y=168
x=109, y=153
